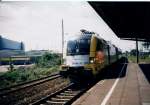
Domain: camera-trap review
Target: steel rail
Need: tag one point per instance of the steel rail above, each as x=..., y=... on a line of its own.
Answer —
x=65, y=96
x=18, y=87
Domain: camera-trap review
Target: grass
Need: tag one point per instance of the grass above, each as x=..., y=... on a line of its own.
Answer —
x=44, y=66
x=21, y=75
x=8, y=59
x=145, y=59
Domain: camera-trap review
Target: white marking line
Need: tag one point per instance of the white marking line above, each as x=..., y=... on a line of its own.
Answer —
x=112, y=88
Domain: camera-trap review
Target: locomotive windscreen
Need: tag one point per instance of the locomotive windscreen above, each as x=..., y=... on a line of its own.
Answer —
x=79, y=46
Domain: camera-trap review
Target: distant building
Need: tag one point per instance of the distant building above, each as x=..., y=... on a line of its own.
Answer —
x=10, y=48
x=143, y=48
x=32, y=53
x=6, y=44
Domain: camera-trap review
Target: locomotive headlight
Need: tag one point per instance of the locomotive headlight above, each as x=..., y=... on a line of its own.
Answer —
x=91, y=60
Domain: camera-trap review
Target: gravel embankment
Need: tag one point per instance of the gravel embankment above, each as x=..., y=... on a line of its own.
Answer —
x=31, y=94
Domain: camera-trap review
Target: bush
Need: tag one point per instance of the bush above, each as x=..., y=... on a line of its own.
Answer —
x=49, y=60
x=45, y=65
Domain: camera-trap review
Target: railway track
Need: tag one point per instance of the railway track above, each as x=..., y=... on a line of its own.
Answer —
x=64, y=96
x=15, y=88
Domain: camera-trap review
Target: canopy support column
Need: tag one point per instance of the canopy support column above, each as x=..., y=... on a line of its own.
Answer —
x=137, y=51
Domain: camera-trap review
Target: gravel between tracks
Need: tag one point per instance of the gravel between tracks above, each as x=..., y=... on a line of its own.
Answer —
x=31, y=94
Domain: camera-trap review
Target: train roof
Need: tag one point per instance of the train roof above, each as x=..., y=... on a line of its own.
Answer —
x=87, y=34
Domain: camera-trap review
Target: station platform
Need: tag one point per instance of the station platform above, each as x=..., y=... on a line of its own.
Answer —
x=130, y=87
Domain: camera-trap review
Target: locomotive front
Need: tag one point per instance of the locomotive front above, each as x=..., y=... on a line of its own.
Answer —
x=78, y=51
x=77, y=56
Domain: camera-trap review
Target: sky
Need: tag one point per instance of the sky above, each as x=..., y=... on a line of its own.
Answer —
x=38, y=24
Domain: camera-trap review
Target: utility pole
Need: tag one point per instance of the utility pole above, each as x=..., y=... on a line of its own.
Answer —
x=62, y=41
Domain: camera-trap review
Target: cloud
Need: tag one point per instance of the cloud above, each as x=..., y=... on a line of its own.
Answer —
x=38, y=24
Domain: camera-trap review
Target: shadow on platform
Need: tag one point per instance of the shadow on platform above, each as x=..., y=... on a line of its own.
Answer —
x=116, y=70
x=146, y=70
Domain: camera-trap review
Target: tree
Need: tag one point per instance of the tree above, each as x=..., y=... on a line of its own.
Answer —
x=49, y=60
x=146, y=45
x=133, y=52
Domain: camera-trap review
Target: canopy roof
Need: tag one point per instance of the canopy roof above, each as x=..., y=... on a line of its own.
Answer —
x=129, y=20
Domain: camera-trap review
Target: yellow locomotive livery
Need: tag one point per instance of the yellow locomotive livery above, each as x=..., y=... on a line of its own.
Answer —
x=87, y=54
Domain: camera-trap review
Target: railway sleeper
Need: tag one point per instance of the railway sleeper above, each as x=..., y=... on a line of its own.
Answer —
x=60, y=99
x=68, y=91
x=68, y=94
x=62, y=96
x=71, y=91
x=55, y=102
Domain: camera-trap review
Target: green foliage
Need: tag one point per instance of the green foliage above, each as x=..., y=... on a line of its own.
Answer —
x=146, y=44
x=49, y=60
x=24, y=74
x=45, y=65
x=145, y=59
x=133, y=52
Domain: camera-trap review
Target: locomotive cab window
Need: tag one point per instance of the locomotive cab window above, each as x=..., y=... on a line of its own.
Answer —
x=84, y=46
x=71, y=47
x=80, y=46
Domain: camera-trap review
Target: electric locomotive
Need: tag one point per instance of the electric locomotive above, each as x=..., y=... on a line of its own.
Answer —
x=87, y=54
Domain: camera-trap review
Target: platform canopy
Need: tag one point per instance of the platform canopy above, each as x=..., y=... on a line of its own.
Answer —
x=129, y=20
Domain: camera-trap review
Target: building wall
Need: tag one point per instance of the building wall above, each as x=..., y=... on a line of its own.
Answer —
x=10, y=48
x=0, y=43
x=6, y=44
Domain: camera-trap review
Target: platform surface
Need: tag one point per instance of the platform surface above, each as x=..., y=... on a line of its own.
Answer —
x=133, y=88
